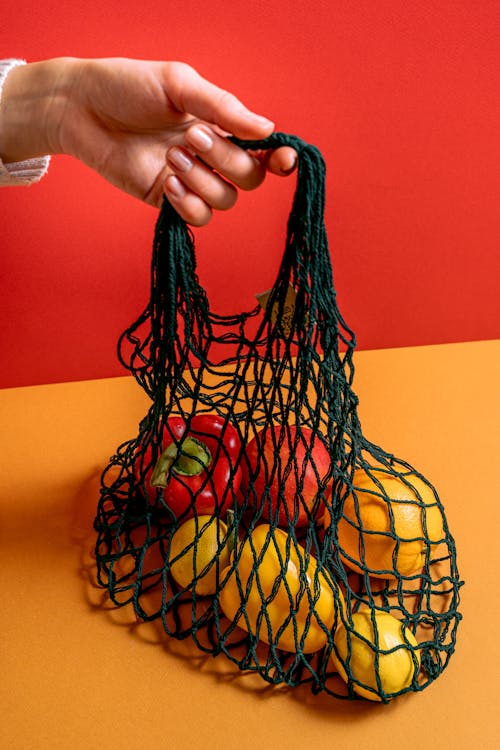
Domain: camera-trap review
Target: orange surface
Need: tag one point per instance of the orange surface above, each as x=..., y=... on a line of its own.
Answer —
x=77, y=675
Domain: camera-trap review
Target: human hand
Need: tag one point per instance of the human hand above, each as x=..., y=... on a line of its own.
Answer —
x=148, y=127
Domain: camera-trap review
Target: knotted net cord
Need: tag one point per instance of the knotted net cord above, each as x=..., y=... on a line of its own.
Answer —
x=283, y=377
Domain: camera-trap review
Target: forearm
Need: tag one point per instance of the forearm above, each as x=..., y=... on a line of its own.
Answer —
x=32, y=106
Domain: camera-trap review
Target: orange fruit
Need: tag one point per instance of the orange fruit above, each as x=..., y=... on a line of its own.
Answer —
x=392, y=653
x=388, y=524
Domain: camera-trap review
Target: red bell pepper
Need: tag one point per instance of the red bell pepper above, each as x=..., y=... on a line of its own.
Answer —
x=198, y=468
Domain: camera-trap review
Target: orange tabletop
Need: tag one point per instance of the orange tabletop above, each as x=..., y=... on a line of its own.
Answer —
x=77, y=674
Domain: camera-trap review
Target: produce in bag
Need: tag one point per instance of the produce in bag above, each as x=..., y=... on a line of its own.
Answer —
x=250, y=513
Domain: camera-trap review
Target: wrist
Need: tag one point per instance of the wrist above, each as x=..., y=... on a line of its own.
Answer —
x=32, y=106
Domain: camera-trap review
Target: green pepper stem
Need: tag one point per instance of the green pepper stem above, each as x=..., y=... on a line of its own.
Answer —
x=189, y=459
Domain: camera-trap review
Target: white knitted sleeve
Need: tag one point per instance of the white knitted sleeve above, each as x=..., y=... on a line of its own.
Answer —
x=20, y=172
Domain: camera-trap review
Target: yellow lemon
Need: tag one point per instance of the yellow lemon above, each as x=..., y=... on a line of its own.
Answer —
x=281, y=591
x=358, y=654
x=198, y=552
x=388, y=524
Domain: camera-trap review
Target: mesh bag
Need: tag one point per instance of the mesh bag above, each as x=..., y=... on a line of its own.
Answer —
x=250, y=513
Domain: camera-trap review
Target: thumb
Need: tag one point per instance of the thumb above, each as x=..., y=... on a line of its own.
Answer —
x=192, y=94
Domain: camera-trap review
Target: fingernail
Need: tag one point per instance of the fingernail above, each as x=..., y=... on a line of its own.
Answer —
x=174, y=187
x=199, y=138
x=179, y=159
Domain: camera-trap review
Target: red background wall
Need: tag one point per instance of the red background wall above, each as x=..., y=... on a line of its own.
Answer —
x=402, y=98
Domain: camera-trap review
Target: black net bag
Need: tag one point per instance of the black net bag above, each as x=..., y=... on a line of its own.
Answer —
x=250, y=514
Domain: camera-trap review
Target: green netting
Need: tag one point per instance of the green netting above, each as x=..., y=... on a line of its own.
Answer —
x=250, y=513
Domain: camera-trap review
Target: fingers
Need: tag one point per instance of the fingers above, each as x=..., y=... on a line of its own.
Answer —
x=235, y=164
x=197, y=189
x=190, y=92
x=282, y=161
x=204, y=174
x=205, y=170
x=188, y=205
x=244, y=169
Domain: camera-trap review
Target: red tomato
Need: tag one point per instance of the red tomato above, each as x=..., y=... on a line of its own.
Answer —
x=285, y=473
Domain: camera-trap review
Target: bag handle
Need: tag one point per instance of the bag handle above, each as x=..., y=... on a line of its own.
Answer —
x=306, y=262
x=305, y=265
